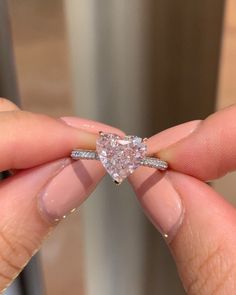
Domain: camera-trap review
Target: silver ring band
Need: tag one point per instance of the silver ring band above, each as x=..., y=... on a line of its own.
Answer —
x=151, y=162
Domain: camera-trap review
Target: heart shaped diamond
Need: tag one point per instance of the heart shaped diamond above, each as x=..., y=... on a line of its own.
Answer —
x=120, y=156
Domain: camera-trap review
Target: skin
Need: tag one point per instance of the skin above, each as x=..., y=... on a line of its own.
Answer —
x=202, y=241
x=203, y=244
x=34, y=147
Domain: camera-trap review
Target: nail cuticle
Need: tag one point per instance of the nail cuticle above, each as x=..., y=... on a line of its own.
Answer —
x=41, y=208
x=174, y=230
x=68, y=189
x=170, y=235
x=164, y=151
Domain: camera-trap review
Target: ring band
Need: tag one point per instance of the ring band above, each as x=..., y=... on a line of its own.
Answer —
x=151, y=162
x=120, y=156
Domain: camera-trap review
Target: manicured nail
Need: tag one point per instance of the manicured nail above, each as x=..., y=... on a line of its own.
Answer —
x=86, y=136
x=69, y=188
x=159, y=199
x=88, y=139
x=89, y=125
x=171, y=137
x=154, y=189
x=75, y=181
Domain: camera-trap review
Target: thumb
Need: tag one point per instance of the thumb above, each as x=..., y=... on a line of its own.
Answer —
x=199, y=227
x=33, y=199
x=209, y=151
x=198, y=224
x=31, y=203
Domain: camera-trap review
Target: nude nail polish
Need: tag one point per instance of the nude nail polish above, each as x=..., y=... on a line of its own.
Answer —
x=69, y=188
x=160, y=200
x=89, y=125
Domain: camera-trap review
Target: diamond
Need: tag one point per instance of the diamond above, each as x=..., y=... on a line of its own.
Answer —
x=120, y=156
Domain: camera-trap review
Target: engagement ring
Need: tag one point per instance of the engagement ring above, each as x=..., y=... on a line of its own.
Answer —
x=120, y=156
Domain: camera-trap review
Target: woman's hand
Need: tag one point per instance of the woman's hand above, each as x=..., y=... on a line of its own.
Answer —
x=199, y=225
x=46, y=184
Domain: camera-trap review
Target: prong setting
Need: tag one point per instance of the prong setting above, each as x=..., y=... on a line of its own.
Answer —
x=117, y=182
x=120, y=156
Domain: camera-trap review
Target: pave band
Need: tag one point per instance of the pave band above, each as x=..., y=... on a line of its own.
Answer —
x=120, y=155
x=151, y=162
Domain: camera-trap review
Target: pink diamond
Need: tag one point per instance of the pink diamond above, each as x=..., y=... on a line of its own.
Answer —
x=120, y=156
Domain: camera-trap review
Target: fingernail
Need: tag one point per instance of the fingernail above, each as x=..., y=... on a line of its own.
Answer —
x=160, y=200
x=171, y=137
x=69, y=188
x=88, y=139
x=89, y=125
x=87, y=136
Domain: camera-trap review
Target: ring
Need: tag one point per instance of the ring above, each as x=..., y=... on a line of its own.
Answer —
x=120, y=156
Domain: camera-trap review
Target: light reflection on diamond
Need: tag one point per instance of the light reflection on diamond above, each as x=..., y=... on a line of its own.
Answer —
x=120, y=156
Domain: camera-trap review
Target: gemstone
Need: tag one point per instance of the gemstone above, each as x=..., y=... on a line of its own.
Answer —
x=120, y=156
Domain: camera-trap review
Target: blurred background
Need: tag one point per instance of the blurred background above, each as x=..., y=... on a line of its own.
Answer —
x=142, y=66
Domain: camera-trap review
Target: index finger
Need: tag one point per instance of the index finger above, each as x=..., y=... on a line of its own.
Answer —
x=209, y=151
x=29, y=139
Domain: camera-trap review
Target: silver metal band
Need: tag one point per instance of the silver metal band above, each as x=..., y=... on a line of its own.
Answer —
x=92, y=155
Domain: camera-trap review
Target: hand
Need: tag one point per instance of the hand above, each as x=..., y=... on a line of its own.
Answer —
x=46, y=184
x=199, y=225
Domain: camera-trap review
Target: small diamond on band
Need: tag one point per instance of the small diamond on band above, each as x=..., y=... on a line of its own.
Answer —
x=92, y=155
x=154, y=163
x=82, y=154
x=120, y=156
